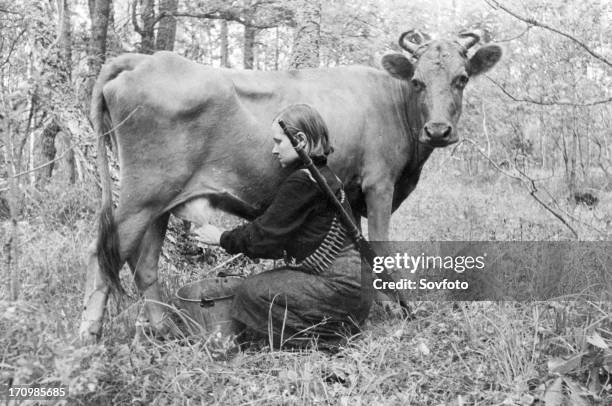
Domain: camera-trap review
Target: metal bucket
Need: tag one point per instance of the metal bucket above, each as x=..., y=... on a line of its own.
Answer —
x=208, y=302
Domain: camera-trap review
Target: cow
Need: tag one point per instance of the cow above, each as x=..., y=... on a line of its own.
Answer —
x=192, y=139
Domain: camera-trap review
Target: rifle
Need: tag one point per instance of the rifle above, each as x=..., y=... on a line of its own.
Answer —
x=363, y=246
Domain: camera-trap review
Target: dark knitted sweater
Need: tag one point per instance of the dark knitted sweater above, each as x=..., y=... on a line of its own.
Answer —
x=294, y=224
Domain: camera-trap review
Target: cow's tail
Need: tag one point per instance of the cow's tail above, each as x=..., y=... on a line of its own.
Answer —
x=107, y=249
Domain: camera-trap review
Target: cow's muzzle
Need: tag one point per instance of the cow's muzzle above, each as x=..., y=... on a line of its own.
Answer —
x=438, y=134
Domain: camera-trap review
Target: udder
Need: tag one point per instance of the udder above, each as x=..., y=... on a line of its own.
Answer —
x=198, y=211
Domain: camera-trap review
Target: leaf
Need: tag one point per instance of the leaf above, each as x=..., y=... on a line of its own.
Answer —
x=597, y=341
x=564, y=366
x=554, y=393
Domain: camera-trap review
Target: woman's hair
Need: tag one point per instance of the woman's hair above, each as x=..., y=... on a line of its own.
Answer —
x=304, y=118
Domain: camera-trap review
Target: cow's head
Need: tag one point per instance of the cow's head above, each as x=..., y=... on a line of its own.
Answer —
x=437, y=76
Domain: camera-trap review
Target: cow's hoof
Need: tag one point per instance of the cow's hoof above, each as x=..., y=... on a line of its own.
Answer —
x=396, y=310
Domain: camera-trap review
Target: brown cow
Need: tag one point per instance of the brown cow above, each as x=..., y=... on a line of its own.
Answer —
x=193, y=139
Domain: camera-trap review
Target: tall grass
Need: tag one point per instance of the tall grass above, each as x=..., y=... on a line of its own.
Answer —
x=451, y=353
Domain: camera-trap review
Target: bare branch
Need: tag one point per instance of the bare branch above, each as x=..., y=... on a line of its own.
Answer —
x=488, y=158
x=221, y=15
x=7, y=11
x=12, y=47
x=528, y=182
x=525, y=31
x=534, y=22
x=547, y=102
x=228, y=15
x=558, y=206
x=45, y=164
x=554, y=213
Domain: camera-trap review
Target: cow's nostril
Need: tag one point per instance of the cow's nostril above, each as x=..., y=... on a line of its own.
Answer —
x=438, y=130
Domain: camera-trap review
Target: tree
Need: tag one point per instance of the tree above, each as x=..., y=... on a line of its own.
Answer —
x=99, y=11
x=307, y=37
x=58, y=66
x=253, y=15
x=556, y=87
x=165, y=22
x=166, y=32
x=224, y=45
x=65, y=37
x=248, y=54
x=146, y=29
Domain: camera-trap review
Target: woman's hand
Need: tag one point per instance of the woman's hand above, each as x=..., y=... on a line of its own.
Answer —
x=208, y=234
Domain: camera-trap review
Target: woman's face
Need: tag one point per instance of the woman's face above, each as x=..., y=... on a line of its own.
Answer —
x=283, y=149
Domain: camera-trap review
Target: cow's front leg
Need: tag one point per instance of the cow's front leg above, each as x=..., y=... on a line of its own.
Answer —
x=94, y=302
x=379, y=199
x=145, y=265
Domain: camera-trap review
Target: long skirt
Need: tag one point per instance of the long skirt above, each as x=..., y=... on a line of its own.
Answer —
x=297, y=307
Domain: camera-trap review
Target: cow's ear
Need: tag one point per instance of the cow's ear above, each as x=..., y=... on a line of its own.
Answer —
x=398, y=66
x=484, y=59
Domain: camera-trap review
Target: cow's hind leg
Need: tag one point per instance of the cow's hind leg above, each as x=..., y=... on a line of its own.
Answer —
x=145, y=265
x=94, y=302
x=130, y=231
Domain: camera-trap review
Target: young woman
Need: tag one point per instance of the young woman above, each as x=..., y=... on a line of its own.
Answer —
x=318, y=293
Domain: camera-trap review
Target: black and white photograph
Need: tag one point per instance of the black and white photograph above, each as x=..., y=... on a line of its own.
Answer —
x=306, y=202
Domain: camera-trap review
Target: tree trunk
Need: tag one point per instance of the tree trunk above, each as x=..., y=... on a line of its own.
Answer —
x=99, y=31
x=71, y=162
x=48, y=151
x=147, y=31
x=224, y=47
x=113, y=41
x=11, y=245
x=166, y=31
x=97, y=44
x=65, y=39
x=276, y=48
x=92, y=9
x=307, y=37
x=571, y=181
x=249, y=46
x=209, y=45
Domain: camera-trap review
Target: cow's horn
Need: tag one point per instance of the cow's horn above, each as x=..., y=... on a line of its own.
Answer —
x=411, y=40
x=470, y=38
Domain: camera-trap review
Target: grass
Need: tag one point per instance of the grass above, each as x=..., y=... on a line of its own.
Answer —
x=461, y=353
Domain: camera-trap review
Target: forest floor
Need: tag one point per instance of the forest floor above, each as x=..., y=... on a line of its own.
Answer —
x=468, y=353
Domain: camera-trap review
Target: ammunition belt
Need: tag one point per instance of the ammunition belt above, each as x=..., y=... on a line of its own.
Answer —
x=326, y=253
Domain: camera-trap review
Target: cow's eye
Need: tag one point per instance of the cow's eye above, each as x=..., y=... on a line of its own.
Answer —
x=418, y=85
x=461, y=81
